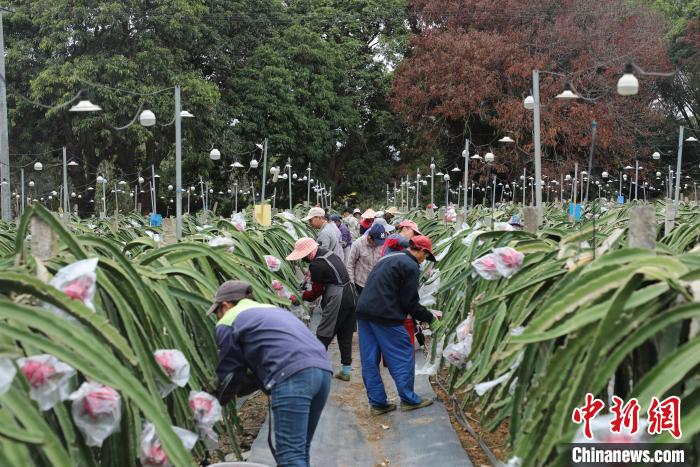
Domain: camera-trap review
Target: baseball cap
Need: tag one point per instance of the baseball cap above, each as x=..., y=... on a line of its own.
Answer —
x=230, y=291
x=392, y=210
x=377, y=233
x=335, y=218
x=411, y=225
x=314, y=212
x=356, y=211
x=424, y=243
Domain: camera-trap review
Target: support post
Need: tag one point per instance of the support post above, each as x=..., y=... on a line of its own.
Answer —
x=66, y=201
x=178, y=167
x=538, y=145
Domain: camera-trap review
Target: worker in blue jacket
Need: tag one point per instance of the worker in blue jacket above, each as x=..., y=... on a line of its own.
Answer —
x=272, y=349
x=391, y=293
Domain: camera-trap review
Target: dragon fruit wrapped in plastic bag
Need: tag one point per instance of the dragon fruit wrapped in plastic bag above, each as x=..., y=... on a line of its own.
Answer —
x=97, y=411
x=238, y=221
x=457, y=354
x=77, y=280
x=152, y=453
x=273, y=263
x=206, y=412
x=222, y=241
x=464, y=330
x=486, y=267
x=427, y=291
x=289, y=227
x=176, y=366
x=503, y=227
x=508, y=261
x=7, y=375
x=450, y=214
x=48, y=377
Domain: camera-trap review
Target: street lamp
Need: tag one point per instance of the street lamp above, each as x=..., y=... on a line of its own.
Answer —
x=567, y=93
x=84, y=105
x=214, y=154
x=628, y=84
x=38, y=166
x=147, y=118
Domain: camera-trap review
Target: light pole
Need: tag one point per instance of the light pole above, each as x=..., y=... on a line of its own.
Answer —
x=690, y=139
x=465, y=154
x=289, y=175
x=446, y=177
x=308, y=186
x=432, y=183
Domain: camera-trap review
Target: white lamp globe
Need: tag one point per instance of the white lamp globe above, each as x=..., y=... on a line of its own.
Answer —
x=624, y=177
x=147, y=118
x=294, y=176
x=253, y=164
x=529, y=103
x=489, y=157
x=228, y=191
x=170, y=187
x=50, y=197
x=446, y=177
x=567, y=178
x=140, y=180
x=38, y=166
x=211, y=190
x=72, y=195
x=432, y=166
x=658, y=174
x=100, y=179
x=605, y=175
x=31, y=183
x=656, y=156
x=628, y=84
x=215, y=154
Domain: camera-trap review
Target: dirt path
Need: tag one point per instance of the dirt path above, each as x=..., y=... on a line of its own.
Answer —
x=348, y=436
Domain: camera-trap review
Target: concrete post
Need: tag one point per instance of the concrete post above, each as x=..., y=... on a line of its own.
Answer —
x=642, y=230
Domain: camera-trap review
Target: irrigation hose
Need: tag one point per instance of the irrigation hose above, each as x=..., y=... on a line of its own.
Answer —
x=462, y=419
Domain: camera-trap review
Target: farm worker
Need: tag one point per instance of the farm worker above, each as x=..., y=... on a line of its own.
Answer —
x=398, y=242
x=357, y=214
x=352, y=223
x=391, y=293
x=330, y=279
x=364, y=254
x=381, y=221
x=262, y=346
x=345, y=237
x=406, y=230
x=390, y=213
x=329, y=235
x=516, y=222
x=367, y=219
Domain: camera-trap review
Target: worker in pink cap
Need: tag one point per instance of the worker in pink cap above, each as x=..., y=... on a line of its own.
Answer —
x=330, y=279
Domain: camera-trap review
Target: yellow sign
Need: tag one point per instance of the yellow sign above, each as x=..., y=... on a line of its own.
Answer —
x=263, y=214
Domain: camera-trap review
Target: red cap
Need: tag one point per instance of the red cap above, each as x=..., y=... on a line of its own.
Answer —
x=411, y=225
x=424, y=243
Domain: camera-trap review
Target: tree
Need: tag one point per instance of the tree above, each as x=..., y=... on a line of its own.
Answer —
x=470, y=64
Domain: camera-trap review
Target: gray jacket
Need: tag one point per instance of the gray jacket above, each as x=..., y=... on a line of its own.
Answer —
x=329, y=238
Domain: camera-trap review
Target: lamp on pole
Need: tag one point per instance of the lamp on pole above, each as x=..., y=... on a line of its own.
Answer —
x=432, y=183
x=465, y=154
x=308, y=186
x=289, y=176
x=446, y=178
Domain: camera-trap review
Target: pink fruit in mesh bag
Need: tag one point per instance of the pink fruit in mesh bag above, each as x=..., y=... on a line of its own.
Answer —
x=102, y=401
x=79, y=289
x=488, y=263
x=38, y=373
x=277, y=285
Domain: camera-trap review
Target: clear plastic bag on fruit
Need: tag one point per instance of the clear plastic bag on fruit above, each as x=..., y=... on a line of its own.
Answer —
x=428, y=290
x=48, y=377
x=152, y=454
x=508, y=260
x=465, y=328
x=486, y=267
x=273, y=263
x=7, y=375
x=96, y=411
x=289, y=227
x=481, y=388
x=431, y=368
x=176, y=366
x=77, y=280
x=450, y=214
x=222, y=241
x=238, y=221
x=206, y=411
x=457, y=354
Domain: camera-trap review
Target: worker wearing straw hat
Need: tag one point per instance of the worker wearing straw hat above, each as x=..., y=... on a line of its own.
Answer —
x=262, y=346
x=367, y=219
x=330, y=279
